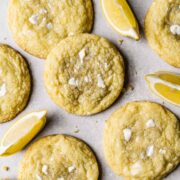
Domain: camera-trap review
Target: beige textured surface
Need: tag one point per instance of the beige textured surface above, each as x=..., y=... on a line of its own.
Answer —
x=16, y=82
x=98, y=77
x=130, y=158
x=63, y=156
x=161, y=15
x=29, y=20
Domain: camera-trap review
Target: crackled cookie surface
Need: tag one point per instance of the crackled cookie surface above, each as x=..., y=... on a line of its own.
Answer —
x=59, y=157
x=37, y=26
x=15, y=83
x=162, y=27
x=142, y=141
x=84, y=74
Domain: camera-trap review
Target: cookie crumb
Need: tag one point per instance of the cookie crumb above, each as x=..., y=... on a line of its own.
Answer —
x=130, y=87
x=77, y=131
x=5, y=168
x=120, y=41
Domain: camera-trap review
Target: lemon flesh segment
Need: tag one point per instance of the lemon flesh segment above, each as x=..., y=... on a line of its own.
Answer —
x=121, y=18
x=166, y=85
x=22, y=132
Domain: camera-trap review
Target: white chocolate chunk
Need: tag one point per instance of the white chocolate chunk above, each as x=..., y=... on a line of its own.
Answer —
x=150, y=151
x=150, y=123
x=52, y=159
x=100, y=82
x=71, y=34
x=45, y=169
x=3, y=90
x=106, y=66
x=34, y=19
x=86, y=79
x=42, y=11
x=73, y=82
x=142, y=155
x=43, y=22
x=60, y=178
x=71, y=169
x=162, y=151
x=38, y=177
x=175, y=29
x=135, y=168
x=82, y=55
x=127, y=134
x=49, y=26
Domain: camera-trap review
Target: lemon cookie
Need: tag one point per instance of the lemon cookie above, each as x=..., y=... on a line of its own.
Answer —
x=142, y=141
x=59, y=157
x=162, y=26
x=39, y=25
x=15, y=83
x=84, y=74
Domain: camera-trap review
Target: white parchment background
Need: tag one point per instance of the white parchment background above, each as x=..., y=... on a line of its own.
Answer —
x=139, y=60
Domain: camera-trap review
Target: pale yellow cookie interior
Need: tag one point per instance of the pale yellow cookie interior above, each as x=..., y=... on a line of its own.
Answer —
x=15, y=83
x=142, y=141
x=59, y=157
x=37, y=26
x=84, y=74
x=162, y=27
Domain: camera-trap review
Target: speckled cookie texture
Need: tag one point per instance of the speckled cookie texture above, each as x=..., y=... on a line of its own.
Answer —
x=37, y=26
x=84, y=74
x=162, y=27
x=59, y=157
x=142, y=141
x=15, y=83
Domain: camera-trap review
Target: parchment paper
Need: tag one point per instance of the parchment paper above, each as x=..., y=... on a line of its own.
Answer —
x=139, y=59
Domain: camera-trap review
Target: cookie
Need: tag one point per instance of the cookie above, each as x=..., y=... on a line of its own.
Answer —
x=162, y=27
x=84, y=74
x=37, y=26
x=142, y=141
x=59, y=157
x=15, y=83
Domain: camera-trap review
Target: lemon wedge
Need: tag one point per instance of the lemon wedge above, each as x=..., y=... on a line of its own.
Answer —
x=22, y=132
x=166, y=85
x=121, y=18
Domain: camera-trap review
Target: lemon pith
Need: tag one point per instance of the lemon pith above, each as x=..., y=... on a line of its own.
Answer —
x=166, y=85
x=121, y=18
x=22, y=132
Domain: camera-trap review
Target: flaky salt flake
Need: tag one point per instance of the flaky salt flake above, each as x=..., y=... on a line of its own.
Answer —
x=34, y=19
x=73, y=82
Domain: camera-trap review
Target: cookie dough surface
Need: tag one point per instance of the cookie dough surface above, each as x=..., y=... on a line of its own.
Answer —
x=84, y=74
x=37, y=26
x=142, y=141
x=162, y=27
x=59, y=157
x=15, y=83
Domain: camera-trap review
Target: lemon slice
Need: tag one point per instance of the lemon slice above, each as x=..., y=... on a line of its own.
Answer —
x=166, y=85
x=121, y=18
x=22, y=132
